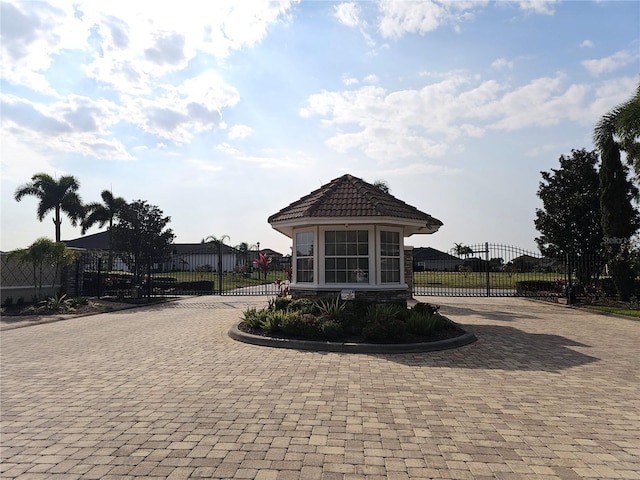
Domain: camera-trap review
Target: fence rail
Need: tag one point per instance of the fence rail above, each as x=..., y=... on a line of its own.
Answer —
x=501, y=271
x=94, y=278
x=476, y=270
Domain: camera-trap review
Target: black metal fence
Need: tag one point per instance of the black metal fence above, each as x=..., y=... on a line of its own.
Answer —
x=200, y=271
x=501, y=270
x=475, y=270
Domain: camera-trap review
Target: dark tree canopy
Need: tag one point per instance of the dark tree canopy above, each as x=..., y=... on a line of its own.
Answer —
x=569, y=220
x=141, y=235
x=618, y=131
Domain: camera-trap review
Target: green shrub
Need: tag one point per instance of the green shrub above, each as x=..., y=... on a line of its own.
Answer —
x=254, y=318
x=282, y=303
x=384, y=311
x=534, y=286
x=303, y=305
x=331, y=329
x=273, y=321
x=8, y=301
x=426, y=308
x=420, y=323
x=56, y=304
x=331, y=309
x=80, y=301
x=304, y=325
x=385, y=329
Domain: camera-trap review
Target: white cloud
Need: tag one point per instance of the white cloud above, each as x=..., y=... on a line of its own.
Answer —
x=541, y=7
x=179, y=112
x=262, y=161
x=75, y=124
x=349, y=81
x=31, y=33
x=348, y=14
x=502, y=63
x=597, y=67
x=586, y=44
x=371, y=79
x=428, y=122
x=239, y=132
x=130, y=46
x=398, y=18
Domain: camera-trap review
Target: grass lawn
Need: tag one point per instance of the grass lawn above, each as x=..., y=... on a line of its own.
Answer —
x=230, y=281
x=478, y=279
x=617, y=310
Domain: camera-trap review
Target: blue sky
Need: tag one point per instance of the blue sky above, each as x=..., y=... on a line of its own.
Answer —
x=223, y=113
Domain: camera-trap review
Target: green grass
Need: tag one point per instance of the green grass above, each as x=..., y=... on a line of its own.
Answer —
x=478, y=279
x=617, y=310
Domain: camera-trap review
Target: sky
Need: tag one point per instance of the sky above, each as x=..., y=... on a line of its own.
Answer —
x=222, y=113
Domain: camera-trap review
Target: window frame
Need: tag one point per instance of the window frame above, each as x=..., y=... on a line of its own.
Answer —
x=312, y=257
x=371, y=249
x=379, y=257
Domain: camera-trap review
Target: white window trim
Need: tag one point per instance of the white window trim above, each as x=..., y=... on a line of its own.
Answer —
x=294, y=265
x=373, y=271
x=379, y=229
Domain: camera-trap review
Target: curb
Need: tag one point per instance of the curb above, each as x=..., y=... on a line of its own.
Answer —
x=349, y=347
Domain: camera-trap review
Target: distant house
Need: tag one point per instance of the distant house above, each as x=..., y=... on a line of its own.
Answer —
x=529, y=263
x=430, y=259
x=184, y=256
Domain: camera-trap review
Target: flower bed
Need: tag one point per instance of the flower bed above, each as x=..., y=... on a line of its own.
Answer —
x=336, y=321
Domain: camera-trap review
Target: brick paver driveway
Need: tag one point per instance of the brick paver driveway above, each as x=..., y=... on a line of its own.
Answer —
x=546, y=392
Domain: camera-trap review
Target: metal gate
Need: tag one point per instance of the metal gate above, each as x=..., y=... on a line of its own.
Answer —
x=492, y=270
x=207, y=269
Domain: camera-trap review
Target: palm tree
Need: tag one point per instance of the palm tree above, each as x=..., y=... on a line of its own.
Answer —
x=622, y=122
x=103, y=213
x=59, y=196
x=618, y=131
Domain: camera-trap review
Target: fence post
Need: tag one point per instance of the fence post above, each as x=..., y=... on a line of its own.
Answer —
x=99, y=276
x=220, y=267
x=569, y=282
x=486, y=253
x=149, y=279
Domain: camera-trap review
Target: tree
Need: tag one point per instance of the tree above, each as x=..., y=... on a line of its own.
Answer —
x=44, y=253
x=59, y=196
x=382, y=185
x=141, y=235
x=103, y=213
x=623, y=123
x=616, y=131
x=461, y=249
x=569, y=220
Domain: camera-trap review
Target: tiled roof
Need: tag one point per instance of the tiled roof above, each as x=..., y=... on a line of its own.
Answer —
x=349, y=196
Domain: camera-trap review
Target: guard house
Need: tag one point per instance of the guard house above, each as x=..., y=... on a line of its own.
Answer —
x=348, y=239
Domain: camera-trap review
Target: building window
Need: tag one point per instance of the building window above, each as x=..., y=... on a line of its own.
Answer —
x=304, y=257
x=346, y=256
x=390, y=257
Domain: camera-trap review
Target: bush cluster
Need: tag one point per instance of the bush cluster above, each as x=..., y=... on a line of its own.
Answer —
x=331, y=319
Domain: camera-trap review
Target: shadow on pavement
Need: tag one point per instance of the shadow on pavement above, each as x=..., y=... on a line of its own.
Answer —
x=504, y=348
